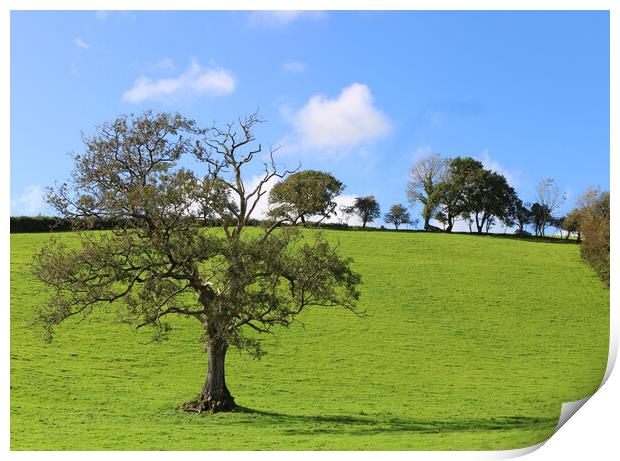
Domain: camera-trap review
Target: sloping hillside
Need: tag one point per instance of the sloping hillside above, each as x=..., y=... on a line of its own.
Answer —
x=469, y=342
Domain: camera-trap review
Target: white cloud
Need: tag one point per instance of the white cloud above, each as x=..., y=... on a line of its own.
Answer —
x=345, y=122
x=80, y=43
x=280, y=18
x=294, y=67
x=344, y=201
x=195, y=81
x=494, y=165
x=30, y=202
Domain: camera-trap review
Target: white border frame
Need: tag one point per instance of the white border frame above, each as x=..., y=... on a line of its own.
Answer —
x=592, y=433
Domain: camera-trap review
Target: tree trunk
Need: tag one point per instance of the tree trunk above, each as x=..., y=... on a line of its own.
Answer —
x=426, y=214
x=479, y=224
x=215, y=396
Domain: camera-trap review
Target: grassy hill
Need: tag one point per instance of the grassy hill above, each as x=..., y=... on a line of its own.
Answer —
x=470, y=342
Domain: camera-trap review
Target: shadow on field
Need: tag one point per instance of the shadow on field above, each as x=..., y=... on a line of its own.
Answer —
x=354, y=425
x=531, y=239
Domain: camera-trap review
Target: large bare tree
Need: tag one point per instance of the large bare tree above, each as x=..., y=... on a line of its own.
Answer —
x=550, y=198
x=161, y=261
x=424, y=177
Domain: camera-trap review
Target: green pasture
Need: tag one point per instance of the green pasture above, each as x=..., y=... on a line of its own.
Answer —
x=469, y=343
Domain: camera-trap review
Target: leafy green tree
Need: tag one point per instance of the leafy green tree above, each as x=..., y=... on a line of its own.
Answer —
x=558, y=223
x=471, y=189
x=367, y=208
x=424, y=177
x=305, y=194
x=541, y=216
x=488, y=197
x=398, y=215
x=454, y=189
x=522, y=216
x=160, y=261
x=572, y=223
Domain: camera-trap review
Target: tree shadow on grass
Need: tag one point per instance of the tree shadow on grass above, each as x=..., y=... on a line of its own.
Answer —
x=366, y=425
x=522, y=238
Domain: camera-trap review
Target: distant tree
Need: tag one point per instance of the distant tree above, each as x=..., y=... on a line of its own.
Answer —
x=558, y=223
x=550, y=198
x=511, y=214
x=367, y=208
x=305, y=194
x=572, y=223
x=522, y=216
x=466, y=216
x=489, y=198
x=490, y=222
x=451, y=191
x=471, y=190
x=508, y=220
x=541, y=216
x=424, y=177
x=442, y=219
x=398, y=215
x=159, y=261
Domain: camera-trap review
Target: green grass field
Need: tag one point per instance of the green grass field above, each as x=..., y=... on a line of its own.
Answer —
x=470, y=343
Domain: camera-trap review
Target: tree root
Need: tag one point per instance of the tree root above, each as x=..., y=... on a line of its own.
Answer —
x=207, y=404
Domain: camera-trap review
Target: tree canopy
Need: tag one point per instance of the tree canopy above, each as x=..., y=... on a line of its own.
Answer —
x=572, y=223
x=522, y=216
x=541, y=217
x=305, y=194
x=161, y=261
x=398, y=215
x=367, y=208
x=478, y=195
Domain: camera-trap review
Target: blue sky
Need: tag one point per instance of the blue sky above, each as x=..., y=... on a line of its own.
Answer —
x=360, y=94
